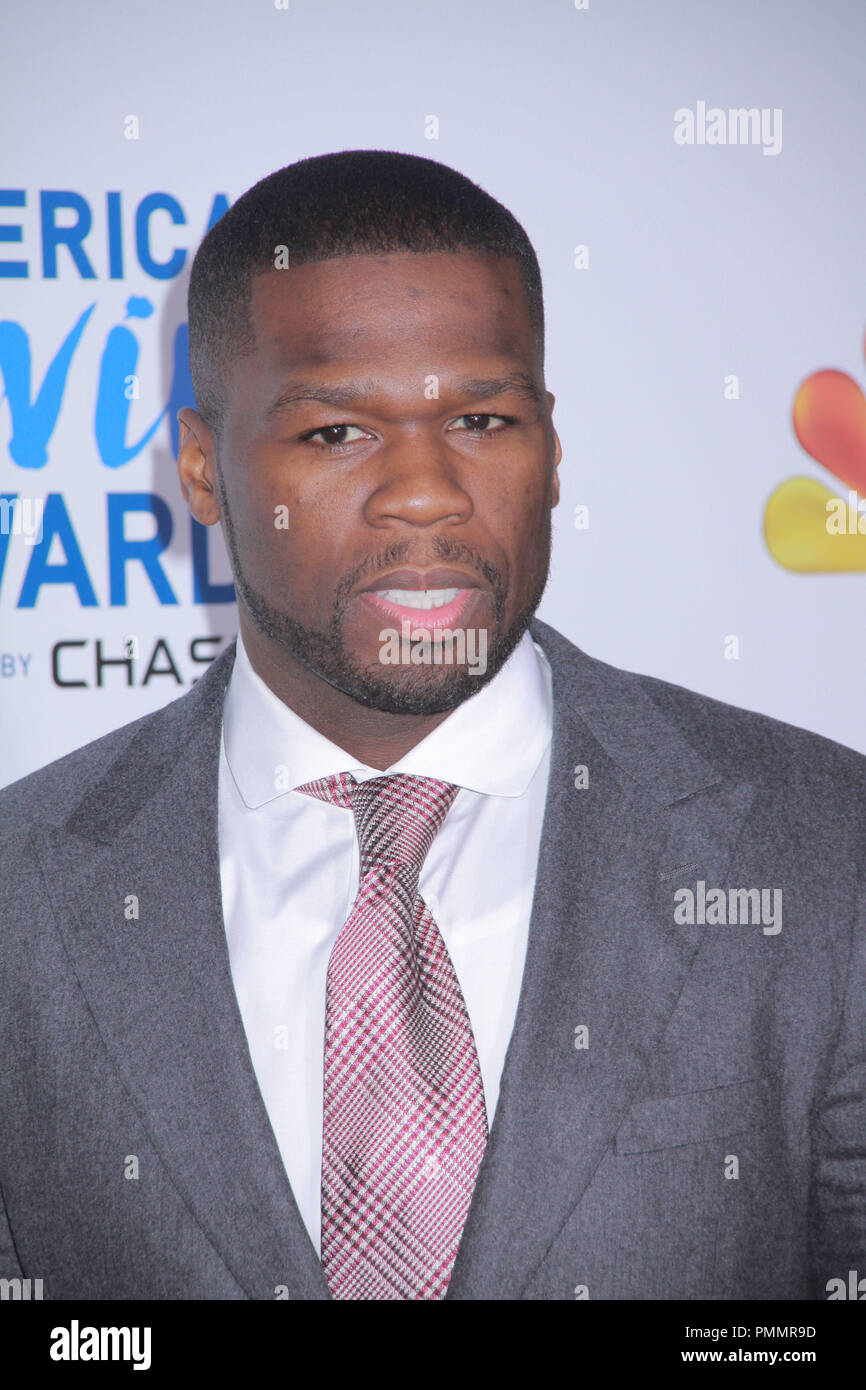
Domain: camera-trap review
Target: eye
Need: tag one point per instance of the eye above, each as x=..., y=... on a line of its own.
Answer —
x=334, y=436
x=478, y=423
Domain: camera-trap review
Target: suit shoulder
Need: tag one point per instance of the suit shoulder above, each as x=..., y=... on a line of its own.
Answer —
x=751, y=745
x=742, y=744
x=51, y=793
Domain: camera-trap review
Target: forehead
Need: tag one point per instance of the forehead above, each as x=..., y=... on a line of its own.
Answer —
x=356, y=306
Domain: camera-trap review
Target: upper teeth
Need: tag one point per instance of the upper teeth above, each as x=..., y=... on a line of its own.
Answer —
x=420, y=598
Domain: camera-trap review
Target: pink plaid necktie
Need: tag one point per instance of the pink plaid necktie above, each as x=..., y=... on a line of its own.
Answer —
x=405, y=1123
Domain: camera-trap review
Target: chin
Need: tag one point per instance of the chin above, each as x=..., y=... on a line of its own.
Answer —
x=408, y=692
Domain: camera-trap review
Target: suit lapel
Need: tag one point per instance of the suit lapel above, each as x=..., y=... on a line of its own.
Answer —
x=603, y=954
x=160, y=988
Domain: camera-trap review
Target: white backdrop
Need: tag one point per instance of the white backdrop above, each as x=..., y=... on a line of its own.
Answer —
x=717, y=278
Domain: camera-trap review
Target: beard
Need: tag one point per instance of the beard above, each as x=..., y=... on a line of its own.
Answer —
x=413, y=689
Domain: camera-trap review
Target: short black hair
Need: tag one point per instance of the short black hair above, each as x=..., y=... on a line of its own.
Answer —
x=352, y=202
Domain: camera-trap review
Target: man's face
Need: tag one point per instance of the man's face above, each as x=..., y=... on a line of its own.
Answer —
x=415, y=490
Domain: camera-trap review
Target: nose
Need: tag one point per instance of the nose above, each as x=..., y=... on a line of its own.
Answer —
x=419, y=484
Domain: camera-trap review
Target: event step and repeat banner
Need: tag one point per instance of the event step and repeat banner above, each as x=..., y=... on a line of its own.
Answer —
x=692, y=179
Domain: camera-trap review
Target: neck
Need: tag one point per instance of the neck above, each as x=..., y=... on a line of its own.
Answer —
x=372, y=736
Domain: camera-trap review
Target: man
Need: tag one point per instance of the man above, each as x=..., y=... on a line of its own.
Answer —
x=416, y=953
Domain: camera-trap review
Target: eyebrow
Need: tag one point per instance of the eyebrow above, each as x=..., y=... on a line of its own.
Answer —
x=473, y=388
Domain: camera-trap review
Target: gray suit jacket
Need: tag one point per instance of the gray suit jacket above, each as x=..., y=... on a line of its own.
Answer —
x=683, y=1106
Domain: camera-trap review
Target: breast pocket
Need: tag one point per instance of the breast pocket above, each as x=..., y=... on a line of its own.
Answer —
x=695, y=1116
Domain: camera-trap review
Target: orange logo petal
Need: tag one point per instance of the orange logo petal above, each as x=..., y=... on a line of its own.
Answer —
x=830, y=423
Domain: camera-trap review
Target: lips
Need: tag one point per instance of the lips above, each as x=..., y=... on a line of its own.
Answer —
x=435, y=598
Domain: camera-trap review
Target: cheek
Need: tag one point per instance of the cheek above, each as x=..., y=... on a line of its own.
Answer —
x=261, y=513
x=515, y=513
x=262, y=501
x=530, y=541
x=291, y=541
x=312, y=497
x=269, y=528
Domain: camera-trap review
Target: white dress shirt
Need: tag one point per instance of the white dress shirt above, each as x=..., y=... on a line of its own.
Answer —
x=289, y=868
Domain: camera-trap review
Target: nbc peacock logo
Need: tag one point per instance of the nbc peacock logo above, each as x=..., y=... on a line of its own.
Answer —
x=807, y=527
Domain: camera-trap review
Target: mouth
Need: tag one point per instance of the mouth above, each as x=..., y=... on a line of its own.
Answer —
x=439, y=598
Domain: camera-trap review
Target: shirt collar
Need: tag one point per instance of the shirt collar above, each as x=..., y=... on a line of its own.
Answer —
x=492, y=743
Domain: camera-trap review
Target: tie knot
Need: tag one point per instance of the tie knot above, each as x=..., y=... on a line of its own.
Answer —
x=396, y=817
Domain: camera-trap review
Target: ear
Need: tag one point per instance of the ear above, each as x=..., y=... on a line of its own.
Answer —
x=195, y=466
